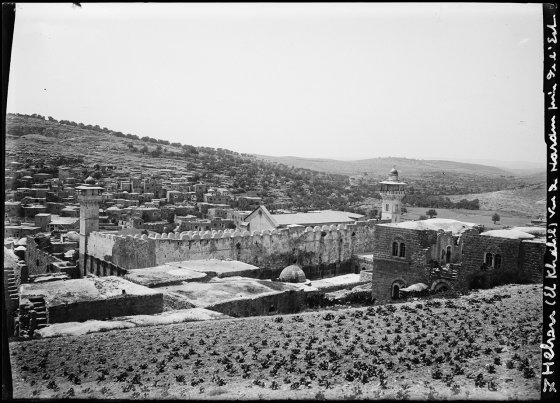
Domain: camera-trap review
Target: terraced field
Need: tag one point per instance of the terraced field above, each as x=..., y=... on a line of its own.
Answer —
x=484, y=345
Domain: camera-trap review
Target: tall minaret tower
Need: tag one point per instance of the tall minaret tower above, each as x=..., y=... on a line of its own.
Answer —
x=392, y=191
x=89, y=196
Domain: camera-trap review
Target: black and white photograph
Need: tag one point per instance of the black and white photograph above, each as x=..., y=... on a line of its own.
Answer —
x=273, y=201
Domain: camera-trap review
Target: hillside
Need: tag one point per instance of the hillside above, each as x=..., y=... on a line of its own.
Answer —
x=482, y=346
x=311, y=184
x=529, y=200
x=33, y=140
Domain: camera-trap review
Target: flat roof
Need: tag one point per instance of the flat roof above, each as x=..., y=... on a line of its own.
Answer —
x=508, y=233
x=84, y=289
x=217, y=267
x=163, y=275
x=219, y=290
x=319, y=217
x=434, y=224
x=392, y=183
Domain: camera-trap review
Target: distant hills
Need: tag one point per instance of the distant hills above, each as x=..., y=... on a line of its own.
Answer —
x=408, y=168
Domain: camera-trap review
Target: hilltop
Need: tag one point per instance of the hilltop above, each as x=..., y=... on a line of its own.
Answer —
x=414, y=167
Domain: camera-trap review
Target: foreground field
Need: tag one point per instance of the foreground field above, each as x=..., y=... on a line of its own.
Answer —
x=481, y=346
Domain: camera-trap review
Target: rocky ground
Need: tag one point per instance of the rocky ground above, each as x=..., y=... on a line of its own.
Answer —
x=481, y=346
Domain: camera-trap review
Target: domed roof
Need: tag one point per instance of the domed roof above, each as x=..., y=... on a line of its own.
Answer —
x=394, y=171
x=73, y=236
x=292, y=274
x=89, y=181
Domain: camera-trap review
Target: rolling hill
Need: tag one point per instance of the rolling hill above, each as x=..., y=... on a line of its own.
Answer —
x=412, y=168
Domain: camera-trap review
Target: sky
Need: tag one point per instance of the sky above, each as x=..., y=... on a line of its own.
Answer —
x=332, y=80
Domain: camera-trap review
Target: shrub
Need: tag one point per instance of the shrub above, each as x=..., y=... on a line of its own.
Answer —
x=437, y=373
x=479, y=381
x=528, y=372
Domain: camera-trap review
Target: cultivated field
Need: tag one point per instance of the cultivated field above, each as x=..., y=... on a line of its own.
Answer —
x=481, y=346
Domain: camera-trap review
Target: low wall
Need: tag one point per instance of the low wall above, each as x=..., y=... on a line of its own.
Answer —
x=286, y=302
x=106, y=308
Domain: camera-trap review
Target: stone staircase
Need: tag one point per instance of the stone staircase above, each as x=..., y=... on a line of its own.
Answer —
x=40, y=311
x=13, y=289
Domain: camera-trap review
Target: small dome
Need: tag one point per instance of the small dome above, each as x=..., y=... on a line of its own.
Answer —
x=394, y=171
x=89, y=181
x=292, y=274
x=73, y=236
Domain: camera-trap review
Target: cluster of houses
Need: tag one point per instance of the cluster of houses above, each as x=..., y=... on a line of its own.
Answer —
x=38, y=202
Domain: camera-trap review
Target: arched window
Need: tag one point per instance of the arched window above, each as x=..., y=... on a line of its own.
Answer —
x=448, y=255
x=395, y=248
x=488, y=259
x=402, y=250
x=497, y=261
x=386, y=207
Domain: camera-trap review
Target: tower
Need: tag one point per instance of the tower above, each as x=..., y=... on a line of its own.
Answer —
x=392, y=192
x=89, y=196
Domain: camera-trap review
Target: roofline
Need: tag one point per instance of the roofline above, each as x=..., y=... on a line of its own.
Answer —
x=266, y=212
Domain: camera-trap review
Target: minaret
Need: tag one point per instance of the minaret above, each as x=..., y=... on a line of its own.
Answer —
x=89, y=196
x=392, y=191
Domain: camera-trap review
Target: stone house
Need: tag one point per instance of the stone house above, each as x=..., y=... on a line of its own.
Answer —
x=443, y=253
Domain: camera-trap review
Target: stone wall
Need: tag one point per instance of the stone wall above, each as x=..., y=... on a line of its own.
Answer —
x=532, y=257
x=407, y=270
x=37, y=260
x=324, y=249
x=106, y=308
x=124, y=251
x=286, y=302
x=474, y=248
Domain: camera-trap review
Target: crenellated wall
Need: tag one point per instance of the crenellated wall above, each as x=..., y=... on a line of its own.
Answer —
x=276, y=249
